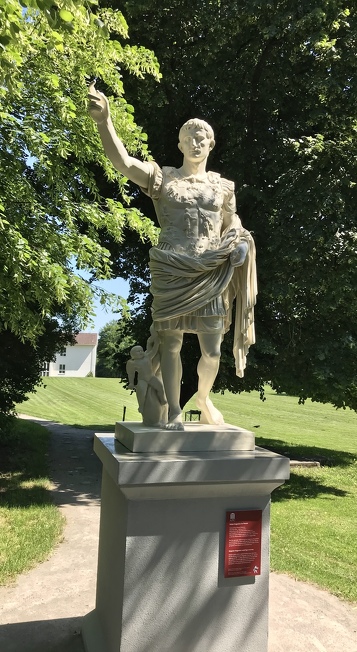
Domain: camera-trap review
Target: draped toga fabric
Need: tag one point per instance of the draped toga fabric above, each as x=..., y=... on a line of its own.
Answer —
x=195, y=292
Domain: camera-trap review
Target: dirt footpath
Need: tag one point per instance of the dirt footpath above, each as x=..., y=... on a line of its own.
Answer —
x=42, y=612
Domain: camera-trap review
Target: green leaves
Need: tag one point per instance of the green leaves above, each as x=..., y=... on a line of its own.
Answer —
x=66, y=15
x=54, y=217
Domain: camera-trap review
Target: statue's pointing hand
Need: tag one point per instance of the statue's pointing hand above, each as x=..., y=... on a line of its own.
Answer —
x=98, y=105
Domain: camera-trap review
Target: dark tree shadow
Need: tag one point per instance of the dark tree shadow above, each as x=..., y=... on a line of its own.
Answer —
x=24, y=496
x=23, y=459
x=108, y=428
x=301, y=452
x=70, y=462
x=301, y=486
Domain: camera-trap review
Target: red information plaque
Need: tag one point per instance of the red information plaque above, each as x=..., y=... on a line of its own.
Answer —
x=243, y=543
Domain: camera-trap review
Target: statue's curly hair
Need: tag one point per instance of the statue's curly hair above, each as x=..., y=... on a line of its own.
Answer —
x=198, y=124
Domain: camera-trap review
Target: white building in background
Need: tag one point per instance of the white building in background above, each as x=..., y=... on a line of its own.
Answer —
x=75, y=360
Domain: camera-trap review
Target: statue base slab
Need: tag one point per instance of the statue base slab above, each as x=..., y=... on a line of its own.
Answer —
x=195, y=437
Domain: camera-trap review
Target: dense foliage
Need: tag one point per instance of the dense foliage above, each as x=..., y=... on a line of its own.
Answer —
x=21, y=364
x=46, y=143
x=113, y=342
x=54, y=220
x=277, y=81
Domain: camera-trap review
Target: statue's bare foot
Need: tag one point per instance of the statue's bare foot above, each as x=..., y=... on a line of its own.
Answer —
x=175, y=422
x=209, y=414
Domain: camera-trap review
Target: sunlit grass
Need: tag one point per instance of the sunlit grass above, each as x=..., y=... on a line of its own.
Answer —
x=314, y=533
x=84, y=402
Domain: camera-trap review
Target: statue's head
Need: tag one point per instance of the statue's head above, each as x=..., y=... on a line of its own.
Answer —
x=199, y=127
x=137, y=352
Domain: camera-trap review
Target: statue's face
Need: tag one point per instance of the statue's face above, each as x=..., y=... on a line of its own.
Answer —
x=195, y=144
x=137, y=353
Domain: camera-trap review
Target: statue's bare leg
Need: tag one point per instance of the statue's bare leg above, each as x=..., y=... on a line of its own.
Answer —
x=157, y=385
x=171, y=370
x=141, y=389
x=207, y=370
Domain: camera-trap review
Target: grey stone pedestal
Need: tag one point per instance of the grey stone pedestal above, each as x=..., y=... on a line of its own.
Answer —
x=161, y=584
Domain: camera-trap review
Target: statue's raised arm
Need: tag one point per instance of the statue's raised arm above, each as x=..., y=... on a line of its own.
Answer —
x=98, y=108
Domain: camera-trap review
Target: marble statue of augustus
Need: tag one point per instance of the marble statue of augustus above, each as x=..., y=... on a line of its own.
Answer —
x=204, y=258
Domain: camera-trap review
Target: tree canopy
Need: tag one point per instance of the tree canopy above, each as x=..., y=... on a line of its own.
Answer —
x=113, y=343
x=54, y=219
x=51, y=207
x=277, y=81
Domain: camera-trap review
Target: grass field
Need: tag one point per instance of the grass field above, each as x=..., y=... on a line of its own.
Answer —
x=30, y=524
x=313, y=515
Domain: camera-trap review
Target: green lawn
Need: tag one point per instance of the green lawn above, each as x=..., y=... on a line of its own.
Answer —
x=314, y=515
x=30, y=524
x=88, y=402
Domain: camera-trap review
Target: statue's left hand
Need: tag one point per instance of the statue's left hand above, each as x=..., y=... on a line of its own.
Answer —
x=239, y=254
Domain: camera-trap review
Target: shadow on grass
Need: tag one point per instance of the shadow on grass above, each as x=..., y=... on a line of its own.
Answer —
x=24, y=496
x=33, y=457
x=95, y=427
x=24, y=467
x=303, y=453
x=301, y=486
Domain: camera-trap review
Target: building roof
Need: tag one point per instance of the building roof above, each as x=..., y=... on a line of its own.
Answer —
x=87, y=339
